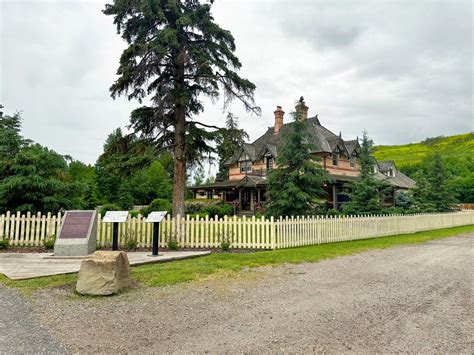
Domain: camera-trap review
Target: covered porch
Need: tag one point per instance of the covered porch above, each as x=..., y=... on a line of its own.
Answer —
x=246, y=195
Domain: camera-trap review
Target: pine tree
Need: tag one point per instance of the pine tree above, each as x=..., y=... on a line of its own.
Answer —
x=295, y=186
x=176, y=55
x=367, y=192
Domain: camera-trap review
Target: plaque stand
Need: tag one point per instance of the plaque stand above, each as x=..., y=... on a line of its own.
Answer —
x=155, y=217
x=156, y=238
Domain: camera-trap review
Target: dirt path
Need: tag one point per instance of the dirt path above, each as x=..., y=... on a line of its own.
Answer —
x=416, y=298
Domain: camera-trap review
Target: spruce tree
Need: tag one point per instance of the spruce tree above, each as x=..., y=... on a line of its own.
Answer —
x=439, y=193
x=176, y=55
x=228, y=139
x=295, y=186
x=367, y=193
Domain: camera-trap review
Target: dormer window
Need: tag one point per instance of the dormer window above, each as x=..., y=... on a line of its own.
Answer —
x=335, y=158
x=245, y=166
x=352, y=162
x=269, y=163
x=391, y=173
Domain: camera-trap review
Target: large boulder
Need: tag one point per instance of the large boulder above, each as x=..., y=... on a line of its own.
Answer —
x=104, y=273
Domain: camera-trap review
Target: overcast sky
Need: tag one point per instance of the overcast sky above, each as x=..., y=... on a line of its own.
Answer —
x=402, y=70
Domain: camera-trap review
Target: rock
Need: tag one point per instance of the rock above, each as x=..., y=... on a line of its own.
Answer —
x=104, y=273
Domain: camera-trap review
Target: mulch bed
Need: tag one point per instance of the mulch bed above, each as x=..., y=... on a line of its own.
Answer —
x=30, y=249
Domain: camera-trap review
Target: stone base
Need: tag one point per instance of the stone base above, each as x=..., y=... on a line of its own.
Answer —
x=104, y=273
x=72, y=249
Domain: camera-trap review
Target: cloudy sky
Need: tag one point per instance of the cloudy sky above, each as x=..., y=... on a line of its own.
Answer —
x=402, y=70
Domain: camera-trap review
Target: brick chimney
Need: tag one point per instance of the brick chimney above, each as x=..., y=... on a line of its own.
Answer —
x=278, y=119
x=302, y=109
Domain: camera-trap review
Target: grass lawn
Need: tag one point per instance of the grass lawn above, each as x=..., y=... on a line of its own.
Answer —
x=194, y=269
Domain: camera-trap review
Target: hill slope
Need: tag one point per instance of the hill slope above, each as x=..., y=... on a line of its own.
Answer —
x=458, y=147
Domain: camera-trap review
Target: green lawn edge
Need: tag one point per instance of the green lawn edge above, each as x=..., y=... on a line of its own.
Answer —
x=163, y=274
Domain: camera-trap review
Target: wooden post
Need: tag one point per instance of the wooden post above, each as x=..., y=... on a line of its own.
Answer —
x=334, y=196
x=252, y=205
x=240, y=198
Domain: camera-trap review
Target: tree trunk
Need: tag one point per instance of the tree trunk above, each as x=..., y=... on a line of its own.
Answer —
x=179, y=179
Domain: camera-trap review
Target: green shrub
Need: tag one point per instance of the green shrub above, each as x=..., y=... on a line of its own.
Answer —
x=199, y=204
x=130, y=241
x=220, y=210
x=226, y=241
x=134, y=214
x=48, y=243
x=109, y=207
x=172, y=242
x=157, y=204
x=4, y=243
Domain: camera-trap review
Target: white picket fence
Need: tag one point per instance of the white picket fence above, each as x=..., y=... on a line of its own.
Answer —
x=243, y=233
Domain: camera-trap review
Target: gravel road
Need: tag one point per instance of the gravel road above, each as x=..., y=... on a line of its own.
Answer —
x=20, y=330
x=414, y=298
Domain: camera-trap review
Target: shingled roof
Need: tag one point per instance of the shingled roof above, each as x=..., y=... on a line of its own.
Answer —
x=320, y=138
x=398, y=180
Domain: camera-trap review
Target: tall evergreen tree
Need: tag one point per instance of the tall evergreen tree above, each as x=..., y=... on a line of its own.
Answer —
x=176, y=55
x=367, y=192
x=440, y=195
x=228, y=139
x=295, y=186
x=11, y=142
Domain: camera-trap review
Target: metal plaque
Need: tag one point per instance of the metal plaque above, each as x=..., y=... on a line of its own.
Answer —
x=157, y=216
x=115, y=217
x=76, y=224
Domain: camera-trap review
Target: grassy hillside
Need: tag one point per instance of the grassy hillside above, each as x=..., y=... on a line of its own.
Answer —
x=451, y=148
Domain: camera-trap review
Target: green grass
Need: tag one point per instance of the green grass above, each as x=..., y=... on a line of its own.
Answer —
x=152, y=275
x=456, y=147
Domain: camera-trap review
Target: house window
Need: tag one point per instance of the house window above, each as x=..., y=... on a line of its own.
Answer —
x=269, y=163
x=245, y=166
x=352, y=162
x=335, y=157
x=391, y=173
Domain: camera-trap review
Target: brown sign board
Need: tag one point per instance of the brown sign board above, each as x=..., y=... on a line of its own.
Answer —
x=76, y=224
x=77, y=235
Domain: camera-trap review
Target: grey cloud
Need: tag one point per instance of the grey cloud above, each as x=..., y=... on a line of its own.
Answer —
x=402, y=70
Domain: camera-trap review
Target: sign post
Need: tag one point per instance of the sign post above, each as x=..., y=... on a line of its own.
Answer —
x=155, y=218
x=115, y=217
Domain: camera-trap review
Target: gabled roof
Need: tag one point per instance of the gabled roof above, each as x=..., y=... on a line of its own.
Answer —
x=322, y=140
x=352, y=146
x=399, y=180
x=385, y=165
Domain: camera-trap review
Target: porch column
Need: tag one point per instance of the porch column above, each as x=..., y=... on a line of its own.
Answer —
x=258, y=196
x=334, y=196
x=251, y=200
x=240, y=199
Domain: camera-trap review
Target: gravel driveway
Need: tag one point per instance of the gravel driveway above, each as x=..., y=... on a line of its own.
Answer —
x=20, y=330
x=415, y=298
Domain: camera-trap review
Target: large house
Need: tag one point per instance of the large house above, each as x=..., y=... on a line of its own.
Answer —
x=246, y=183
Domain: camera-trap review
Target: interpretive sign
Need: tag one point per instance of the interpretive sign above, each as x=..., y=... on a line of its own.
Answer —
x=77, y=235
x=156, y=216
x=115, y=217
